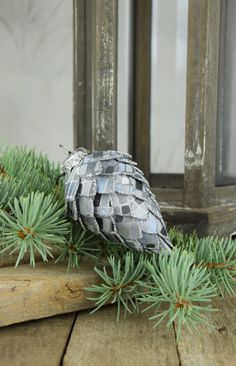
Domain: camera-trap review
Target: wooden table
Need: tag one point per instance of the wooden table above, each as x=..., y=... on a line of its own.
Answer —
x=78, y=338
x=81, y=339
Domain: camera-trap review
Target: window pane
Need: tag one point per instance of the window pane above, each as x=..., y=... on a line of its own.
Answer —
x=36, y=73
x=168, y=85
x=123, y=74
x=226, y=142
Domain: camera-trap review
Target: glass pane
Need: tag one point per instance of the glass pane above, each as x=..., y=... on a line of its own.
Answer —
x=168, y=85
x=123, y=72
x=226, y=142
x=36, y=73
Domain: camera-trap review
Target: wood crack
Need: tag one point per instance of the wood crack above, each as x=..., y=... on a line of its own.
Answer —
x=68, y=339
x=176, y=345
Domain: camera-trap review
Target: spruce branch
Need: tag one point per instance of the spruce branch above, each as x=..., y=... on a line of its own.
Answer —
x=119, y=252
x=8, y=191
x=78, y=244
x=23, y=171
x=34, y=222
x=182, y=240
x=17, y=160
x=120, y=284
x=181, y=287
x=218, y=257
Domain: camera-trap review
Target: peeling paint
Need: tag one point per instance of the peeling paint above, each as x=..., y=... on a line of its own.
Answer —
x=104, y=122
x=199, y=150
x=194, y=159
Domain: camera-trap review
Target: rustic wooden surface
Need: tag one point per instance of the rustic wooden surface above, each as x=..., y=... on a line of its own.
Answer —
x=10, y=260
x=36, y=343
x=98, y=340
x=216, y=346
x=32, y=293
x=215, y=220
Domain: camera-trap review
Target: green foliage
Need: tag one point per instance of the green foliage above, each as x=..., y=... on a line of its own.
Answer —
x=177, y=287
x=78, y=244
x=34, y=221
x=22, y=171
x=181, y=240
x=218, y=256
x=120, y=284
x=8, y=191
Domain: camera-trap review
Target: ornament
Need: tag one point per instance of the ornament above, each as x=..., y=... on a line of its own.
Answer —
x=107, y=194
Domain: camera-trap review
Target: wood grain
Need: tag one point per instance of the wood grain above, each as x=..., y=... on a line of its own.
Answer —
x=36, y=343
x=216, y=346
x=32, y=293
x=95, y=73
x=142, y=79
x=201, y=103
x=10, y=260
x=215, y=220
x=98, y=340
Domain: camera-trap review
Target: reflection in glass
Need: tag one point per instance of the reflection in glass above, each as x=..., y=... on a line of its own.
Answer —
x=226, y=139
x=168, y=85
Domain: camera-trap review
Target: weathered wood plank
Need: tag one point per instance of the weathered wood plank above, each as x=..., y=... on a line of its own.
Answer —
x=201, y=105
x=32, y=293
x=214, y=220
x=142, y=70
x=82, y=128
x=10, y=260
x=102, y=40
x=37, y=343
x=98, y=340
x=215, y=346
x=95, y=74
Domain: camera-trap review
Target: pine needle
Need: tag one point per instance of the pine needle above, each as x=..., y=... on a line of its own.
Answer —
x=179, y=284
x=77, y=245
x=120, y=284
x=34, y=222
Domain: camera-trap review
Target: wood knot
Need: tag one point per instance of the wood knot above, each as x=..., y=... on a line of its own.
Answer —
x=222, y=329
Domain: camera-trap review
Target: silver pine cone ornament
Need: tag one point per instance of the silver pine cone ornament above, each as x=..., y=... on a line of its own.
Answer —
x=107, y=194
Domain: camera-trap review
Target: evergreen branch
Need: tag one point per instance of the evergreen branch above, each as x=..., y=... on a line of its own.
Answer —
x=218, y=256
x=34, y=221
x=119, y=252
x=182, y=240
x=17, y=160
x=181, y=286
x=120, y=284
x=22, y=171
x=78, y=244
x=8, y=191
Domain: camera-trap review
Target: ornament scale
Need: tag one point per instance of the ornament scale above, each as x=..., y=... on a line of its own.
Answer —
x=107, y=194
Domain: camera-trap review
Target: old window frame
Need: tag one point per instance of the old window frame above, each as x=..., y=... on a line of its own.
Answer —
x=199, y=204
x=95, y=76
x=190, y=201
